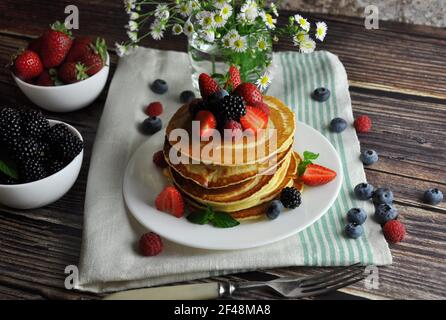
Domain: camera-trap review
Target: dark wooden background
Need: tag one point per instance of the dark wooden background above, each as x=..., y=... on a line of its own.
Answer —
x=397, y=76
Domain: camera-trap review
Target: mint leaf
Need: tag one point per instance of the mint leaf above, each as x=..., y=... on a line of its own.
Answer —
x=8, y=170
x=201, y=217
x=308, y=159
x=224, y=220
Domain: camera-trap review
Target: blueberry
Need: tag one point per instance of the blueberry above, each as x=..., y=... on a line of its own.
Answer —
x=353, y=230
x=364, y=191
x=385, y=212
x=152, y=125
x=187, y=96
x=338, y=125
x=369, y=157
x=321, y=94
x=356, y=215
x=382, y=195
x=433, y=196
x=218, y=95
x=274, y=209
x=159, y=86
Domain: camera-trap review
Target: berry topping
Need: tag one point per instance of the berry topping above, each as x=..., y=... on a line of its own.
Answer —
x=187, y=96
x=170, y=201
x=321, y=94
x=385, y=212
x=232, y=108
x=382, y=195
x=274, y=209
x=433, y=196
x=394, y=231
x=364, y=191
x=217, y=96
x=34, y=124
x=235, y=127
x=356, y=215
x=290, y=197
x=56, y=44
x=316, y=175
x=353, y=230
x=208, y=123
x=154, y=109
x=28, y=65
x=159, y=86
x=150, y=244
x=338, y=125
x=369, y=157
x=254, y=119
x=234, y=78
x=262, y=106
x=363, y=124
x=152, y=125
x=208, y=86
x=159, y=160
x=249, y=92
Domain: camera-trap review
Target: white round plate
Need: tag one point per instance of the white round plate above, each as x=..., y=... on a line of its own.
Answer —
x=143, y=181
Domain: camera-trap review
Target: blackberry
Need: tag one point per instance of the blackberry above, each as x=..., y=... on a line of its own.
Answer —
x=4, y=179
x=10, y=125
x=57, y=132
x=23, y=149
x=290, y=197
x=34, y=124
x=232, y=108
x=32, y=170
x=64, y=144
x=54, y=166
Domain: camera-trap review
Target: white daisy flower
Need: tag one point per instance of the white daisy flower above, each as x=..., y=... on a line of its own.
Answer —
x=129, y=5
x=269, y=21
x=219, y=20
x=227, y=42
x=133, y=36
x=226, y=11
x=219, y=3
x=121, y=49
x=232, y=34
x=194, y=5
x=321, y=30
x=302, y=22
x=188, y=28
x=134, y=15
x=307, y=45
x=206, y=19
x=177, y=29
x=264, y=81
x=162, y=11
x=132, y=26
x=207, y=35
x=249, y=11
x=262, y=44
x=298, y=38
x=157, y=30
x=273, y=8
x=239, y=44
x=184, y=9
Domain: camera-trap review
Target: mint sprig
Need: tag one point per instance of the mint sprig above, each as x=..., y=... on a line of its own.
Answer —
x=308, y=159
x=217, y=219
x=10, y=172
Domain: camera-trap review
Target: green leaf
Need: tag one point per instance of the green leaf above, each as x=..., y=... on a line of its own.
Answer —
x=8, y=170
x=308, y=159
x=201, y=217
x=224, y=220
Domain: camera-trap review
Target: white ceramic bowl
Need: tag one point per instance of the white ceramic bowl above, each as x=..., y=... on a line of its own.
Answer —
x=43, y=192
x=68, y=97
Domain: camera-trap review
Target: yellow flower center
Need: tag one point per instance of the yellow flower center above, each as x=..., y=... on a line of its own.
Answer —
x=269, y=19
x=207, y=21
x=218, y=18
x=238, y=44
x=264, y=80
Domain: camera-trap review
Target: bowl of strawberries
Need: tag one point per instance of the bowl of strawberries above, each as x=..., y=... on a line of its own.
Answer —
x=60, y=73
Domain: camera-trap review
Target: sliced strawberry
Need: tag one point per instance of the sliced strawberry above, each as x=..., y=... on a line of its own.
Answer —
x=249, y=92
x=234, y=78
x=316, y=175
x=208, y=86
x=208, y=123
x=254, y=119
x=170, y=201
x=262, y=106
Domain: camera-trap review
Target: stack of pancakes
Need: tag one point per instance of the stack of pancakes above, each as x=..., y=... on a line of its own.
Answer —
x=241, y=185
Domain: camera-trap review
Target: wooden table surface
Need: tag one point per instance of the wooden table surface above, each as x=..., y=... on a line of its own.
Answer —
x=398, y=78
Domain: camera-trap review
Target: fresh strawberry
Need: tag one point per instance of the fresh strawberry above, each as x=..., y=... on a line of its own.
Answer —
x=254, y=119
x=28, y=65
x=72, y=72
x=56, y=43
x=208, y=123
x=208, y=86
x=234, y=78
x=45, y=79
x=249, y=92
x=35, y=45
x=93, y=63
x=316, y=175
x=262, y=106
x=170, y=201
x=81, y=46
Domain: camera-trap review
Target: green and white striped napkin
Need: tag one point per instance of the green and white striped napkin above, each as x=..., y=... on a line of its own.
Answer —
x=109, y=260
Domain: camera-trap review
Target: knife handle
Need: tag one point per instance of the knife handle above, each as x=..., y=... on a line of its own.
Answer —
x=200, y=291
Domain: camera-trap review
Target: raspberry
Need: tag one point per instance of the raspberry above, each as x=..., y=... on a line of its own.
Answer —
x=394, y=231
x=154, y=109
x=363, y=124
x=159, y=160
x=150, y=244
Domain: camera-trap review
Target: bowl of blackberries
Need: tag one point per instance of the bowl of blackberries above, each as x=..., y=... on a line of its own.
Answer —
x=40, y=159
